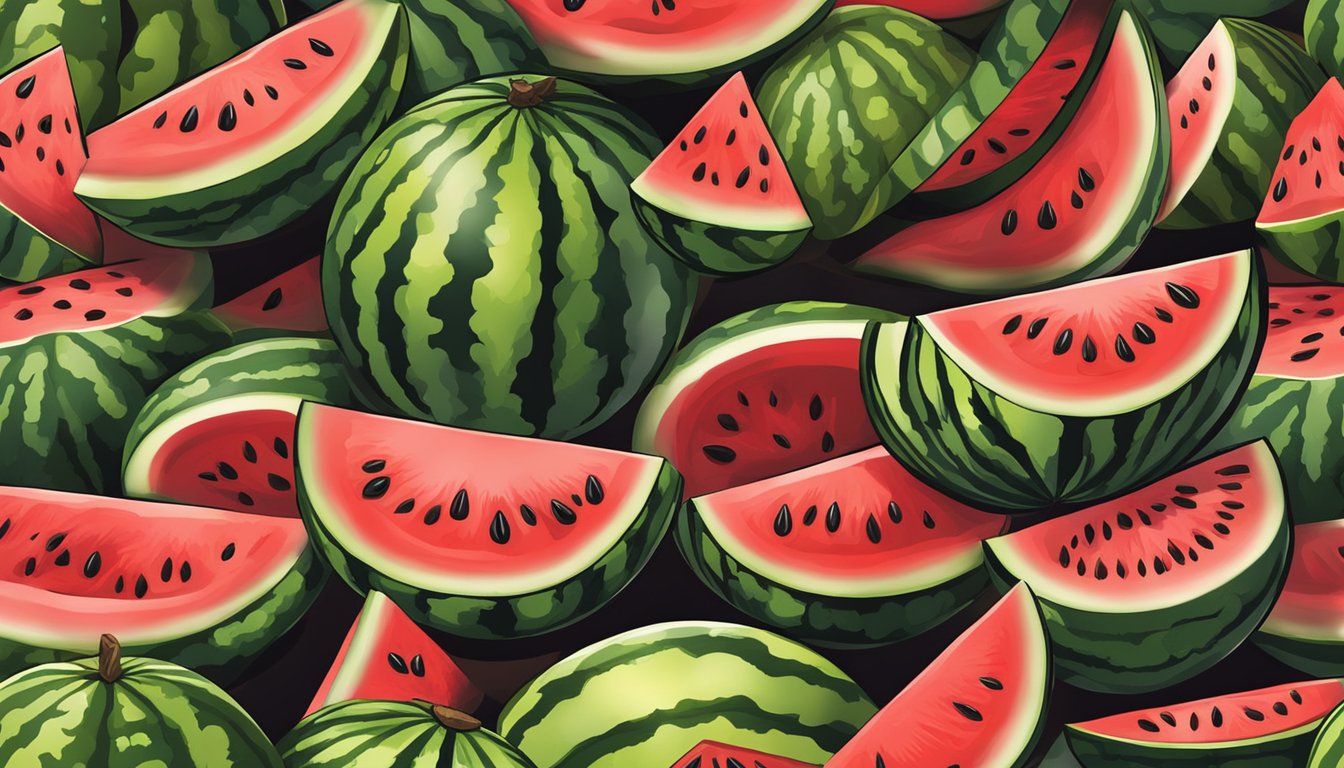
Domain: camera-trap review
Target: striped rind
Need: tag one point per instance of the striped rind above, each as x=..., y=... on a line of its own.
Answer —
x=1179, y=25
x=1314, y=246
x=1323, y=29
x=485, y=268
x=27, y=254
x=713, y=249
x=1328, y=750
x=1282, y=749
x=456, y=41
x=677, y=685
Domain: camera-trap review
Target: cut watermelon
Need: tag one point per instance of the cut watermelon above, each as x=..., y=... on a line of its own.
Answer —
x=1304, y=630
x=719, y=197
x=1080, y=212
x=201, y=587
x=708, y=754
x=254, y=143
x=760, y=394
x=980, y=703
x=387, y=656
x=288, y=304
x=851, y=551
x=1268, y=728
x=442, y=521
x=42, y=224
x=1070, y=395
x=1154, y=587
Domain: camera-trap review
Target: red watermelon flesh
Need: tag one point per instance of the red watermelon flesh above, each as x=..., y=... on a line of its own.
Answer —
x=1034, y=103
x=1197, y=117
x=42, y=154
x=933, y=9
x=713, y=754
x=388, y=656
x=291, y=301
x=1307, y=181
x=979, y=703
x=1306, y=333
x=1310, y=599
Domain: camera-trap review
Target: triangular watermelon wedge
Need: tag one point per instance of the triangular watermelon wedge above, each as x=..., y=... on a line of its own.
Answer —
x=288, y=304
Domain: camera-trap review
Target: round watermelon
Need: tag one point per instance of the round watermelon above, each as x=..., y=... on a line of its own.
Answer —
x=485, y=267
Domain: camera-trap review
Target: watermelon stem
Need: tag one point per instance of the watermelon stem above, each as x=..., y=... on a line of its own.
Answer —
x=452, y=719
x=523, y=94
x=109, y=659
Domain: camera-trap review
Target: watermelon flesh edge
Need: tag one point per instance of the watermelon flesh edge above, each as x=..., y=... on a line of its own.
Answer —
x=711, y=753
x=290, y=301
x=1197, y=115
x=1308, y=606
x=1304, y=321
x=1296, y=200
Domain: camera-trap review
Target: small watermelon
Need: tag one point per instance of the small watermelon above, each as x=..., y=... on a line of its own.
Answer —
x=286, y=305
x=712, y=753
x=1303, y=629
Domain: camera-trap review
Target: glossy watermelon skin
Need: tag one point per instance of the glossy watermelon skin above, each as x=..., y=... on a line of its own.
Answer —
x=1179, y=25
x=1321, y=28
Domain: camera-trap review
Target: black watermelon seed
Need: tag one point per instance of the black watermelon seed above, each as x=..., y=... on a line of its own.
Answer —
x=968, y=712
x=280, y=448
x=245, y=499
x=1194, y=721
x=228, y=117
x=1120, y=569
x=1176, y=553
x=1123, y=350
x=1233, y=470
x=249, y=452
x=874, y=530
x=1194, y=106
x=827, y=442
x=810, y=516
x=418, y=665
x=1159, y=566
x=41, y=153
x=1065, y=64
x=1254, y=714
x=124, y=291
x=743, y=177
x=4, y=527
x=1143, y=568
x=1185, y=121
x=991, y=683
x=274, y=94
x=833, y=517
x=227, y=554
x=185, y=571
x=720, y=454
x=160, y=120
x=1217, y=717
x=1280, y=708
x=1089, y=350
x=25, y=88
x=765, y=185
x=461, y=506
x=593, y=491
x=1100, y=572
x=499, y=528
x=397, y=663
x=1183, y=296
x=894, y=512
x=248, y=99
x=375, y=488
x=166, y=572
x=1208, y=84
x=699, y=173
x=1082, y=567
x=1089, y=533
x=1148, y=725
x=1063, y=341
x=1203, y=541
x=374, y=466
x=997, y=146
x=1163, y=315
x=1230, y=486
x=189, y=120
x=406, y=507
x=1036, y=327
x=742, y=398
x=4, y=140
x=714, y=178
x=528, y=514
x=773, y=399
x=728, y=422
x=1075, y=200
x=968, y=157
x=1144, y=334
x=578, y=500
x=1302, y=157
x=18, y=133
x=55, y=541
x=1012, y=325
x=63, y=559
x=732, y=137
x=1019, y=132
x=44, y=125
x=700, y=134
x=295, y=64
x=61, y=304
x=23, y=314
x=1183, y=502
x=814, y=407
x=781, y=441
x=30, y=566
x=1304, y=355
x=1106, y=530
x=1188, y=490
x=563, y=514
x=1221, y=528
x=1280, y=189
x=741, y=105
x=93, y=565
x=1288, y=151
x=1085, y=180
x=120, y=585
x=1124, y=521
x=1009, y=225
x=1296, y=697
x=763, y=155
x=1318, y=179
x=141, y=586
x=928, y=520
x=783, y=521
x=319, y=47
x=1168, y=718
x=93, y=315
x=433, y=514
x=1046, y=218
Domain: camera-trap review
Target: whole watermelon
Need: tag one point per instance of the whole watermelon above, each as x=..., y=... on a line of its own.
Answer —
x=484, y=266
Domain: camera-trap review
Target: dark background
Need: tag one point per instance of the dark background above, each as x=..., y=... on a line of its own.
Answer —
x=280, y=684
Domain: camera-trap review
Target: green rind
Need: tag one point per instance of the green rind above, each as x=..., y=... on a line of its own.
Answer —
x=1275, y=81
x=1278, y=750
x=681, y=684
x=816, y=618
x=456, y=41
x=550, y=330
x=1313, y=246
x=27, y=254
x=1318, y=658
x=713, y=249
x=1323, y=29
x=1328, y=750
x=845, y=101
x=1180, y=25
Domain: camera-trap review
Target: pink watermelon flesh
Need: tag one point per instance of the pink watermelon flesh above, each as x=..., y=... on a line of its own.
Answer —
x=1034, y=103
x=387, y=656
x=1309, y=179
x=725, y=169
x=83, y=565
x=1306, y=333
x=860, y=518
x=42, y=154
x=291, y=301
x=713, y=754
x=1234, y=717
x=262, y=93
x=1311, y=595
x=933, y=9
x=258, y=479
x=1197, y=116
x=1056, y=218
x=978, y=704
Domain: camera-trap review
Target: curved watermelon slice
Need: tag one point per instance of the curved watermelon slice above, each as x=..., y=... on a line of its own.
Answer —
x=1304, y=630
x=980, y=703
x=708, y=754
x=1080, y=212
x=42, y=223
x=387, y=656
x=201, y=587
x=1267, y=728
x=256, y=142
x=443, y=521
x=287, y=304
x=1154, y=587
x=851, y=551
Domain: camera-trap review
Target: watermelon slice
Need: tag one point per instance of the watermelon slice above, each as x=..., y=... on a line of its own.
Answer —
x=852, y=551
x=1267, y=728
x=719, y=197
x=253, y=144
x=387, y=656
x=42, y=224
x=287, y=304
x=760, y=394
x=1300, y=220
x=1152, y=588
x=201, y=587
x=1080, y=212
x=1304, y=629
x=980, y=703
x=708, y=754
x=442, y=521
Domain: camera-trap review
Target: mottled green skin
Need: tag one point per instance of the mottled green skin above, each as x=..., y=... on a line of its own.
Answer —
x=1317, y=658
x=508, y=616
x=1275, y=81
x=1273, y=751
x=27, y=254
x=1313, y=246
x=845, y=101
x=124, y=52
x=816, y=618
x=684, y=683
x=456, y=41
x=716, y=250
x=485, y=268
x=1328, y=751
x=391, y=734
x=1323, y=29
x=1180, y=25
x=254, y=202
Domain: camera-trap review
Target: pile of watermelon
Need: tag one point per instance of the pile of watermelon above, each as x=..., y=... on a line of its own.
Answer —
x=579, y=384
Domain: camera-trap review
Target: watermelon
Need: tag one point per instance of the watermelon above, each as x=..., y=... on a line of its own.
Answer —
x=288, y=304
x=1061, y=410
x=1303, y=629
x=1229, y=107
x=1300, y=219
x=546, y=332
x=785, y=371
x=849, y=98
x=125, y=52
x=677, y=42
x=221, y=432
x=1180, y=25
x=1321, y=27
x=1328, y=749
x=43, y=226
x=396, y=734
x=851, y=551
x=387, y=656
x=980, y=703
x=201, y=587
x=719, y=197
x=934, y=9
x=1212, y=539
x=1295, y=398
x=187, y=169
x=377, y=496
x=79, y=354
x=1267, y=728
x=122, y=711
x=646, y=697
x=1088, y=203
x=456, y=41
x=711, y=753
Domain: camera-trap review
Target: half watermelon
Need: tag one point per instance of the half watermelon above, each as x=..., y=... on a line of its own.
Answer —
x=1304, y=629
